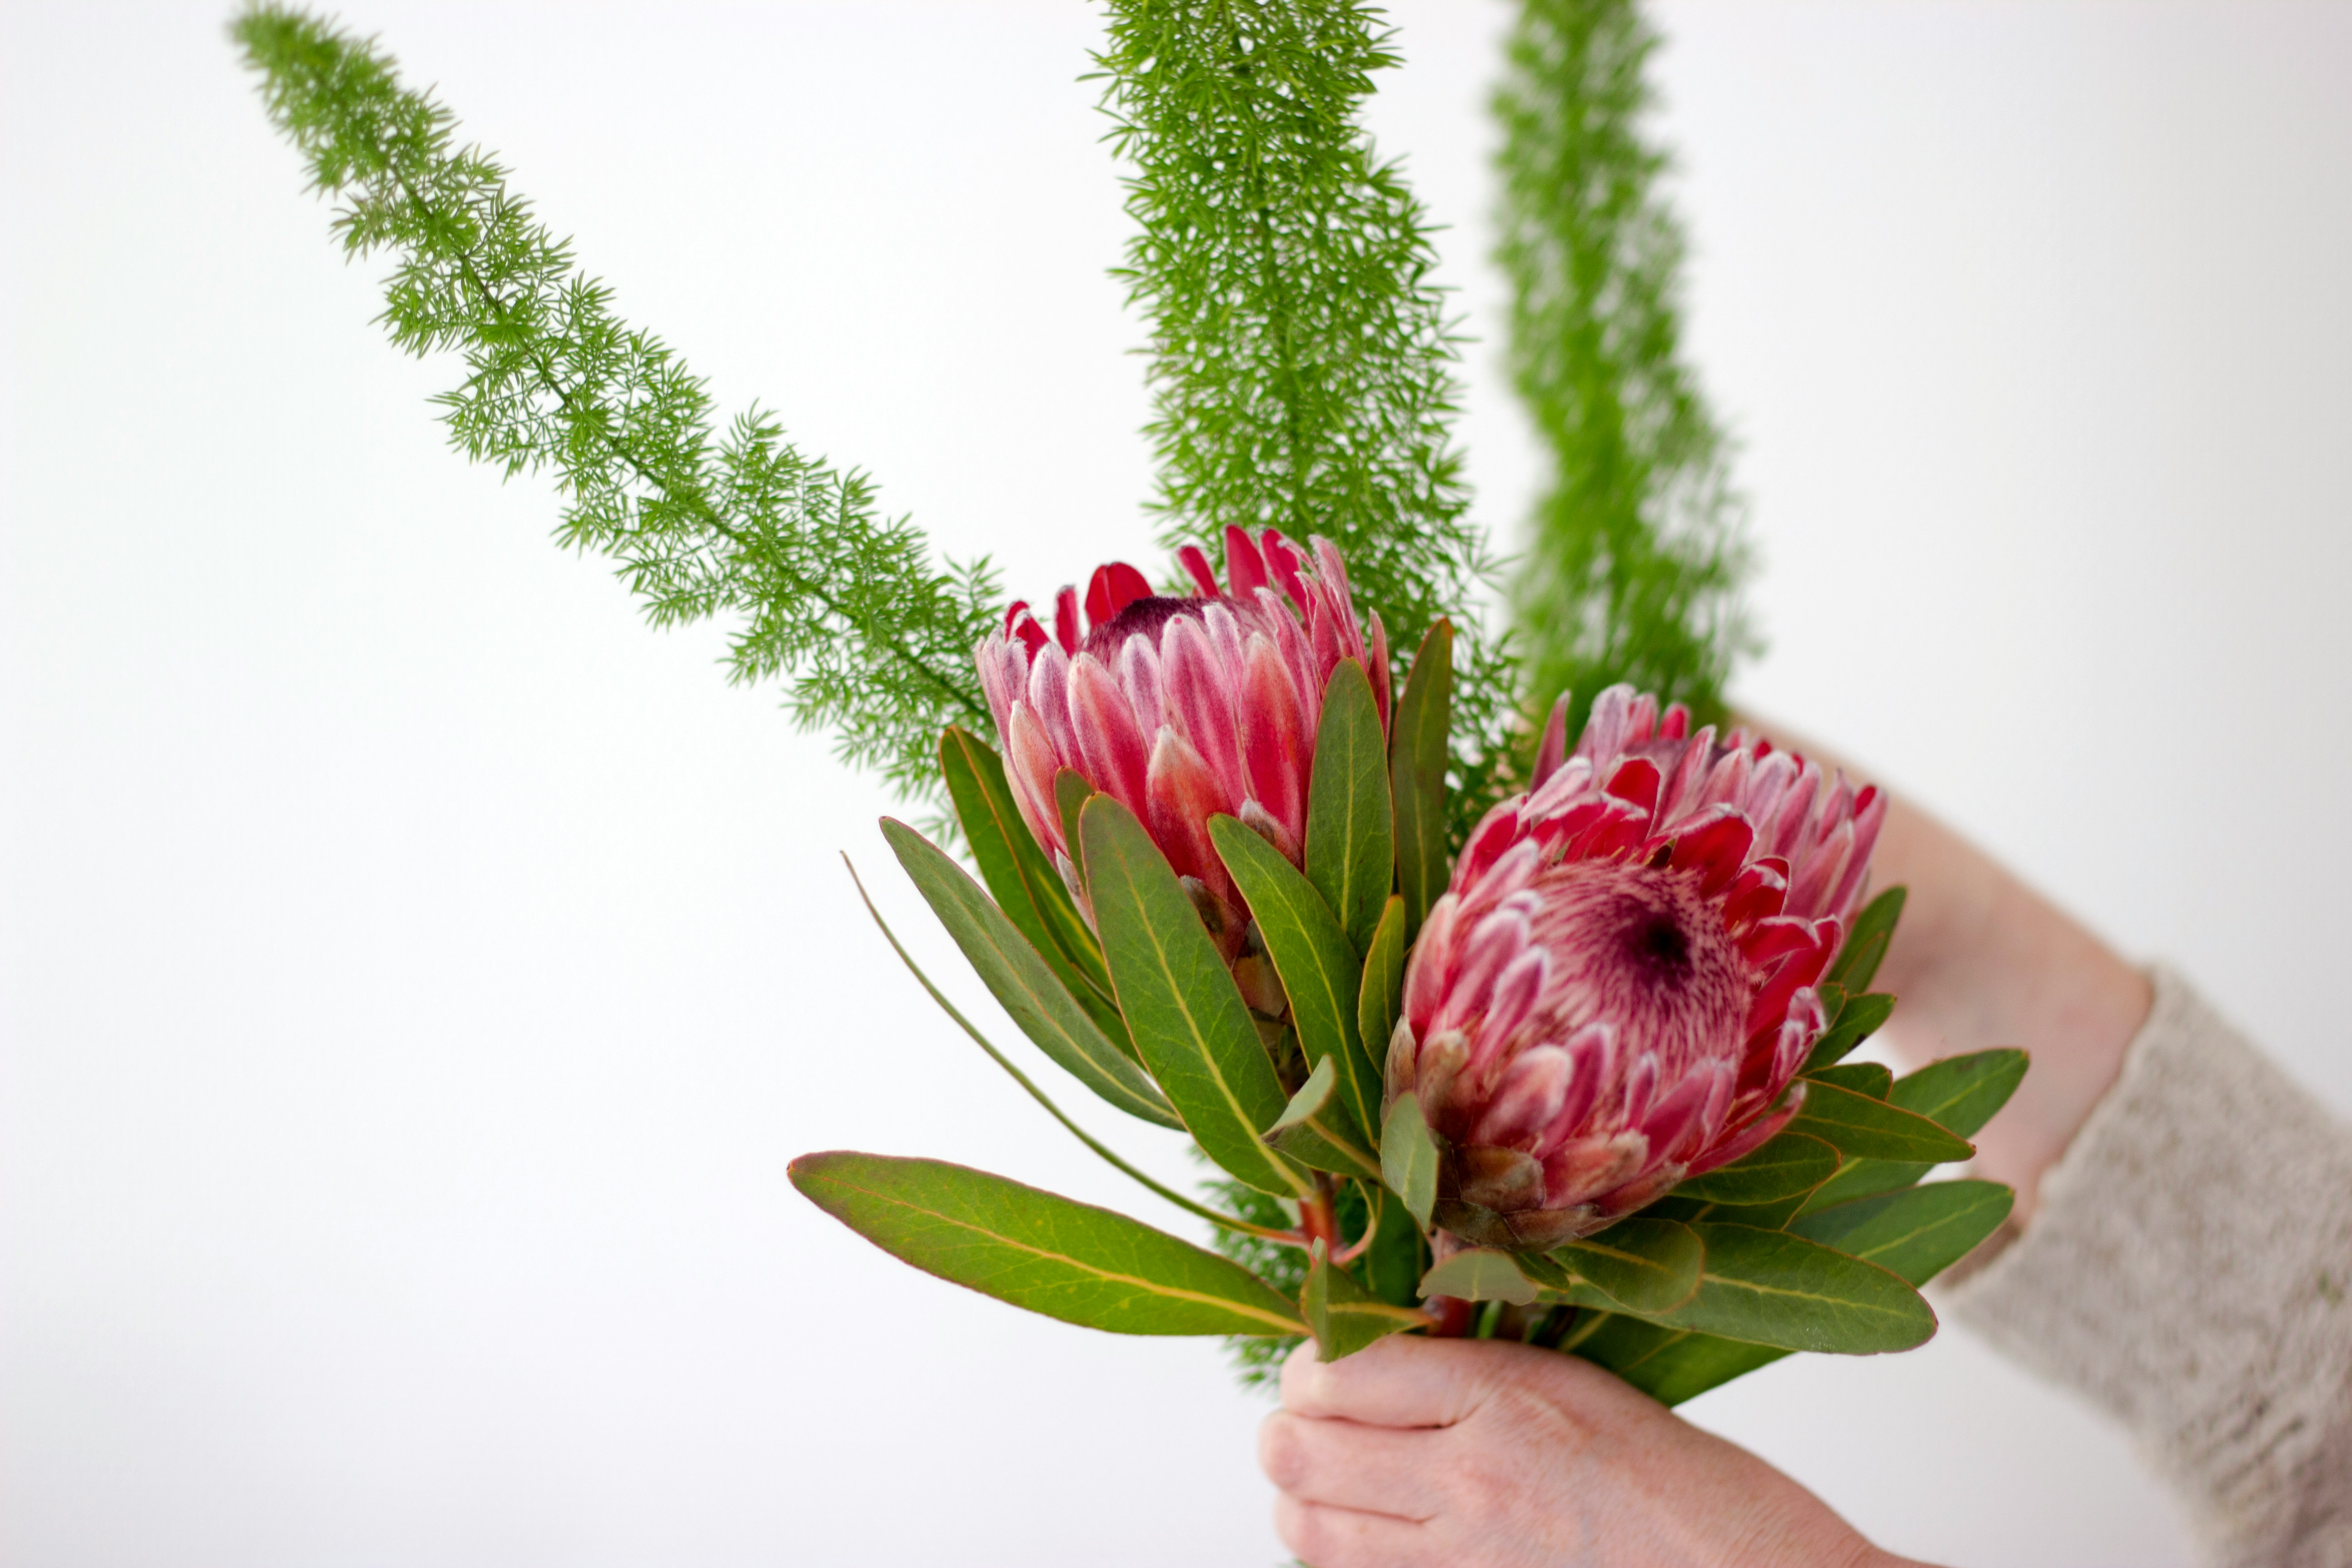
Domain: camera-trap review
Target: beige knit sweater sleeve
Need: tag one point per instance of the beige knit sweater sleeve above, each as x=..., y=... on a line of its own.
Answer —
x=2190, y=1271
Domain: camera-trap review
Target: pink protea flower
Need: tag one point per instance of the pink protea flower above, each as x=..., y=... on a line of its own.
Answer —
x=1617, y=989
x=1182, y=708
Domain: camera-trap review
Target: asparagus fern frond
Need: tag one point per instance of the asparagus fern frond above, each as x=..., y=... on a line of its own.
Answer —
x=876, y=639
x=1636, y=554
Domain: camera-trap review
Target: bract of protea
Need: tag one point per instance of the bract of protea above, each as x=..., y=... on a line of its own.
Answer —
x=1618, y=988
x=1183, y=707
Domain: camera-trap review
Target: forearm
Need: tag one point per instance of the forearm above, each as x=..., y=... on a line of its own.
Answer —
x=1982, y=960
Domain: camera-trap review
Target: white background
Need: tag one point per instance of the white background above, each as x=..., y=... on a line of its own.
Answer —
x=417, y=974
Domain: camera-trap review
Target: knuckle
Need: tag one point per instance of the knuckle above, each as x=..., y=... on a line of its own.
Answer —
x=1282, y=1451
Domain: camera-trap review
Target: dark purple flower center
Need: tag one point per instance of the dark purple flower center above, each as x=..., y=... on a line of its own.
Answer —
x=1142, y=618
x=1641, y=947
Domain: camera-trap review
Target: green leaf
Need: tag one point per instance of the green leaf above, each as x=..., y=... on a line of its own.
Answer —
x=1036, y=1250
x=1855, y=1020
x=1382, y=994
x=1408, y=1158
x=1671, y=1365
x=1767, y=1286
x=1350, y=824
x=1398, y=1256
x=1071, y=793
x=1872, y=1078
x=1313, y=958
x=1417, y=772
x=1480, y=1274
x=1865, y=944
x=1022, y=981
x=1342, y=1315
x=1858, y=1125
x=1959, y=1094
x=1917, y=1233
x=1641, y=1265
x=1188, y=1020
x=1027, y=886
x=1314, y=1131
x=1790, y=1163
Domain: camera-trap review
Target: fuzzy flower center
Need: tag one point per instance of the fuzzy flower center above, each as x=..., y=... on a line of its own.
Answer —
x=1645, y=950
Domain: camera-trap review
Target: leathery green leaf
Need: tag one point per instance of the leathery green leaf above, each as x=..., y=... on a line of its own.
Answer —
x=1857, y=1125
x=1959, y=1094
x=1350, y=823
x=1024, y=881
x=1408, y=1158
x=1856, y=1019
x=1342, y=1315
x=1865, y=944
x=1671, y=1365
x=1768, y=1287
x=1398, y=1256
x=1038, y=1250
x=1022, y=983
x=1417, y=760
x=1188, y=1020
x=1641, y=1265
x=1313, y=958
x=1480, y=1274
x=1790, y=1163
x=1872, y=1078
x=1313, y=1130
x=1382, y=993
x=1917, y=1232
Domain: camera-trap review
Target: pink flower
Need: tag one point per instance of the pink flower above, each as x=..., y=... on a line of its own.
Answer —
x=1618, y=988
x=1182, y=708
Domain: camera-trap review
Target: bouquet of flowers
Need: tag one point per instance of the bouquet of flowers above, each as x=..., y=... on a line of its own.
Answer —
x=1494, y=1025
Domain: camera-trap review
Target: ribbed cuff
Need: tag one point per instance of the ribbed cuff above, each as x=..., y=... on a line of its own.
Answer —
x=2190, y=1270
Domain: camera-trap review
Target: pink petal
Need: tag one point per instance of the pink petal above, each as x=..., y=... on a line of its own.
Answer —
x=1715, y=845
x=1743, y=1140
x=1195, y=562
x=1379, y=670
x=1275, y=749
x=1430, y=974
x=1552, y=750
x=1184, y=796
x=1818, y=882
x=1869, y=815
x=1244, y=567
x=1527, y=1100
x=1065, y=619
x=1768, y=939
x=1109, y=739
x=1680, y=798
x=1675, y=724
x=1201, y=703
x=1138, y=677
x=1049, y=695
x=1492, y=943
x=1004, y=675
x=1605, y=728
x=1584, y=1167
x=1516, y=990
x=1030, y=765
x=1281, y=563
x=1594, y=1048
x=1497, y=831
x=1641, y=1086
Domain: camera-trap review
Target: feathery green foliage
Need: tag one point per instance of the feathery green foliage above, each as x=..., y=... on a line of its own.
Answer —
x=1635, y=559
x=876, y=639
x=1302, y=368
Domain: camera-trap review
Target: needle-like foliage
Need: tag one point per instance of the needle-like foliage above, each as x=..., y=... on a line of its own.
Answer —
x=1635, y=555
x=876, y=639
x=1301, y=364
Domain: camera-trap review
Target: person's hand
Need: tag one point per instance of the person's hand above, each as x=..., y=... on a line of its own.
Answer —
x=1419, y=1453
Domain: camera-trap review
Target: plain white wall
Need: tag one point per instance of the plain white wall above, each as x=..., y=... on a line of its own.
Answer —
x=415, y=974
